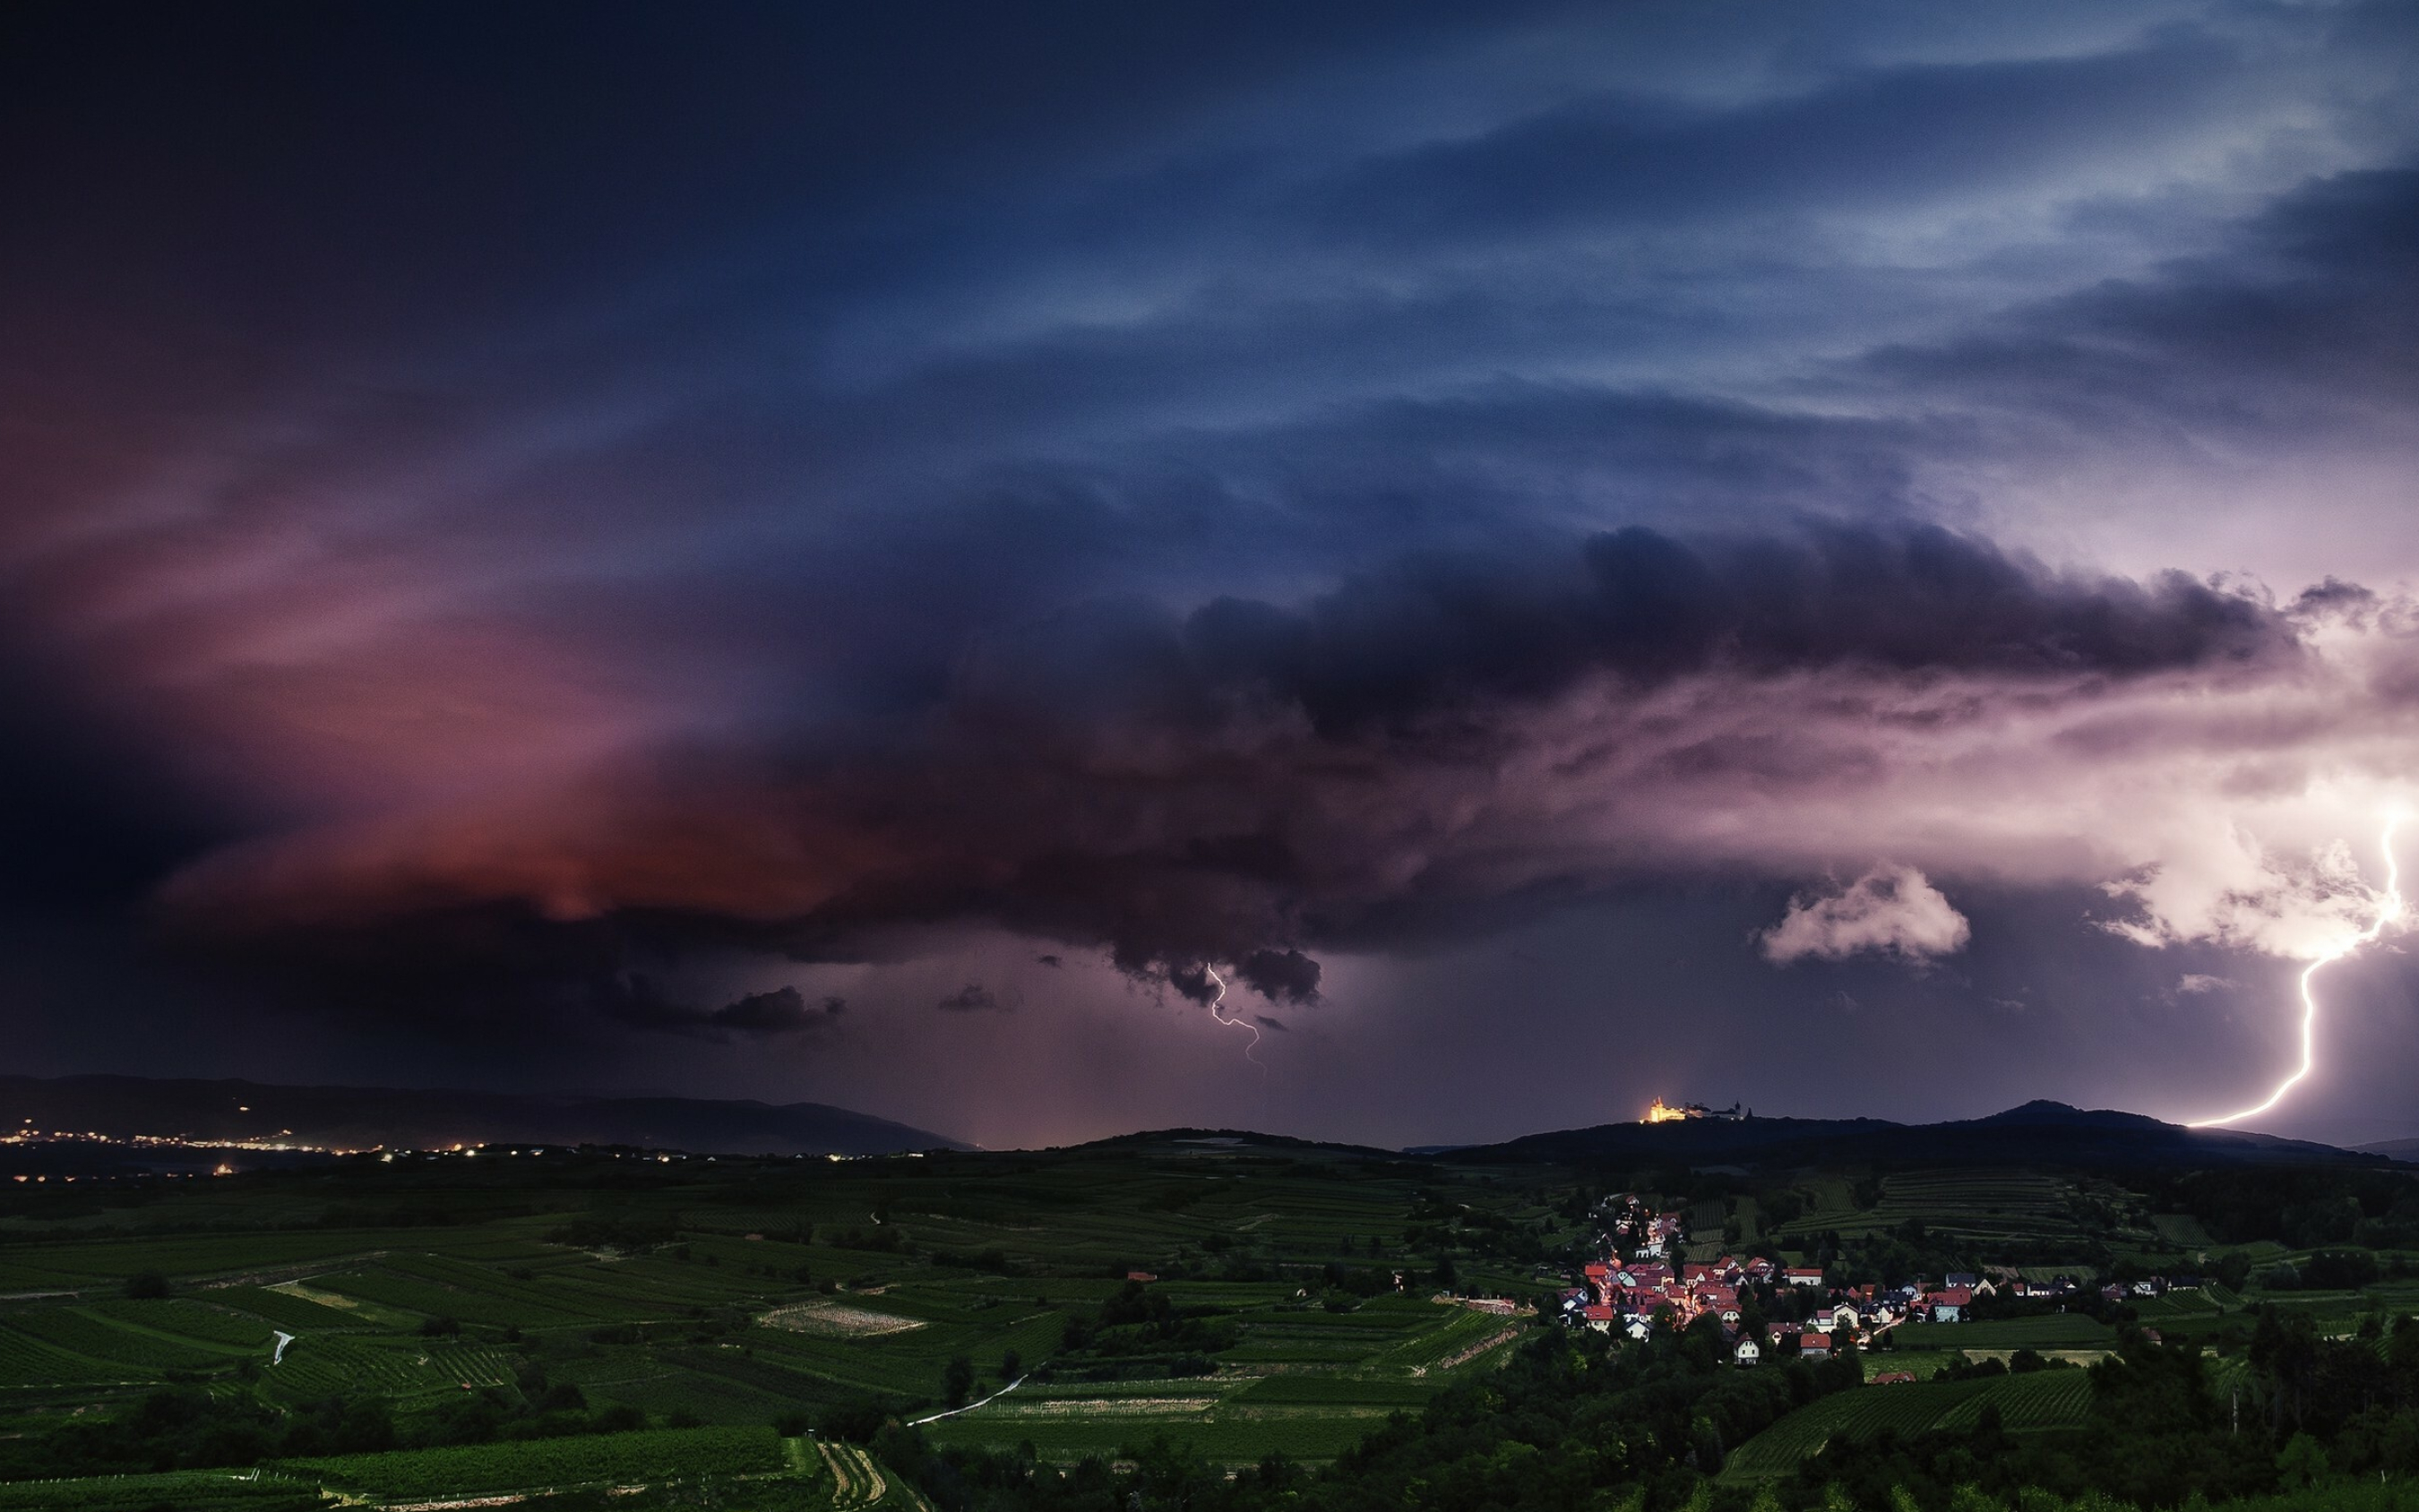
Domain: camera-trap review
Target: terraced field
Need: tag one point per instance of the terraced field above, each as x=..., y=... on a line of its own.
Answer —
x=1307, y=1435
x=286, y=1310
x=1309, y=1383
x=605, y=1459
x=126, y=1346
x=26, y=1361
x=2043, y=1400
x=2182, y=1231
x=1983, y=1208
x=188, y=1491
x=398, y=1368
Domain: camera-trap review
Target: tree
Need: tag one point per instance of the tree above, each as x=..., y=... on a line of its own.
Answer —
x=958, y=1381
x=1752, y=1323
x=1011, y=1365
x=1445, y=1274
x=147, y=1283
x=2302, y=1460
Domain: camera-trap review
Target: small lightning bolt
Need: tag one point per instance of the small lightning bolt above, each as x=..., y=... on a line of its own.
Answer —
x=2387, y=912
x=1252, y=1051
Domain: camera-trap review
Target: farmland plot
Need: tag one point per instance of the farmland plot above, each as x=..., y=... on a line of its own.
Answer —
x=615, y=1459
x=2041, y=1401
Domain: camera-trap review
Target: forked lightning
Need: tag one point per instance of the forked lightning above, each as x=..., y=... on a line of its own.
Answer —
x=2388, y=911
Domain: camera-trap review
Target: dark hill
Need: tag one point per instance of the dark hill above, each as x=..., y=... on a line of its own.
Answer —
x=358, y=1118
x=2036, y=1133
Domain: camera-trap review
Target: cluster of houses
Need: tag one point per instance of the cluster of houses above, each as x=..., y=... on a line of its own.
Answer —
x=1646, y=1234
x=1634, y=1297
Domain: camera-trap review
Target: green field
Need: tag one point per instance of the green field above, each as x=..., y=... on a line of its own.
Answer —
x=2044, y=1399
x=596, y=1320
x=190, y=1490
x=727, y=1297
x=1981, y=1208
x=616, y=1459
x=2052, y=1330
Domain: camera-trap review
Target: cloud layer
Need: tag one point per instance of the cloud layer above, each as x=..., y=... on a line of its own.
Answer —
x=1423, y=746
x=1263, y=493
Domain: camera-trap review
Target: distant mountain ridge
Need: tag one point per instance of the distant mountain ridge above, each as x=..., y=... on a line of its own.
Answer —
x=356, y=1117
x=2037, y=1132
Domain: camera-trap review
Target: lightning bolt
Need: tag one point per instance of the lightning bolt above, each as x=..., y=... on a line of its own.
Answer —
x=1252, y=1051
x=2387, y=912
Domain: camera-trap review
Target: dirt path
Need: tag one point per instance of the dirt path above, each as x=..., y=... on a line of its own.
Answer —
x=1451, y=1361
x=919, y=1422
x=857, y=1482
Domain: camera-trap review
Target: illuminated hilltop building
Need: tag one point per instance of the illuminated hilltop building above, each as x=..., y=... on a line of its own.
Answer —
x=1661, y=1113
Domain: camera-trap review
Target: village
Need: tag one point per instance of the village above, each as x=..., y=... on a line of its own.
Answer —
x=1769, y=1310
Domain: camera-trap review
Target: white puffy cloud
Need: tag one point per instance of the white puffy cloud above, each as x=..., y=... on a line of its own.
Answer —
x=1891, y=909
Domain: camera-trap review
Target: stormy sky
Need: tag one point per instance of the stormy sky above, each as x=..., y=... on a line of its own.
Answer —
x=1407, y=573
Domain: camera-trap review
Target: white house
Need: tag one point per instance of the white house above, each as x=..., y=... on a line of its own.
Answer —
x=1747, y=1352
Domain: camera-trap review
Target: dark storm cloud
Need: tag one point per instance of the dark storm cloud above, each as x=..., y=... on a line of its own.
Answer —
x=1235, y=785
x=782, y=1010
x=974, y=997
x=1645, y=606
x=638, y=1004
x=1281, y=976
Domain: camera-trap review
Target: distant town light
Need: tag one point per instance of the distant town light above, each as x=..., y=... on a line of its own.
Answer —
x=1660, y=1112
